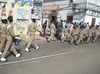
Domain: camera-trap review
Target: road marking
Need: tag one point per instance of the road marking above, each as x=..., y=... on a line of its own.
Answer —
x=37, y=58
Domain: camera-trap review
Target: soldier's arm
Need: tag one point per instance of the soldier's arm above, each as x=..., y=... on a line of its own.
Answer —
x=10, y=29
x=36, y=28
x=28, y=29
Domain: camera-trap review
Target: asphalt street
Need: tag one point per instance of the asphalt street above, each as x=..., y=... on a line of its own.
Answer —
x=54, y=58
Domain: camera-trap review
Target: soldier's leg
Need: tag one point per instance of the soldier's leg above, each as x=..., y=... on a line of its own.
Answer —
x=54, y=37
x=13, y=49
x=88, y=39
x=72, y=40
x=64, y=38
x=80, y=38
x=8, y=45
x=29, y=44
x=2, y=44
x=95, y=38
x=35, y=44
x=98, y=38
x=51, y=37
x=70, y=32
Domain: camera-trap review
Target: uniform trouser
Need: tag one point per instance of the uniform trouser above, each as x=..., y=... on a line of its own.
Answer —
x=74, y=38
x=51, y=37
x=64, y=37
x=88, y=39
x=9, y=45
x=80, y=39
x=70, y=31
x=95, y=38
x=3, y=37
x=31, y=42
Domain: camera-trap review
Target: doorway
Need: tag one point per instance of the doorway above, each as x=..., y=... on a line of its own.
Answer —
x=54, y=19
x=70, y=19
x=93, y=21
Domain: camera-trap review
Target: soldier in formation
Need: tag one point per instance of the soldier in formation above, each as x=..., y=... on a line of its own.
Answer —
x=7, y=35
x=32, y=28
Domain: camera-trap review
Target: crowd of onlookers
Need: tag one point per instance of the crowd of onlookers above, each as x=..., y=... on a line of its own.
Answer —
x=64, y=29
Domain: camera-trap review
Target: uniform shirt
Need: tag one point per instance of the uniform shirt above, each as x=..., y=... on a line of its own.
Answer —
x=97, y=32
x=81, y=33
x=3, y=28
x=10, y=31
x=32, y=28
x=90, y=32
x=85, y=30
x=75, y=31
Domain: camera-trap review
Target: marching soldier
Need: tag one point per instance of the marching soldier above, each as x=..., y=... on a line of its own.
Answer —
x=9, y=41
x=3, y=35
x=90, y=34
x=31, y=31
x=3, y=30
x=85, y=30
x=64, y=34
x=82, y=34
x=96, y=33
x=52, y=32
x=75, y=33
x=71, y=27
x=59, y=30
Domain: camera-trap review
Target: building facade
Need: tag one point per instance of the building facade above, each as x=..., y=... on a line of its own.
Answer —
x=78, y=11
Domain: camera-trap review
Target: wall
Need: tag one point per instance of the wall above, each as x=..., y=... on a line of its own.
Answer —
x=80, y=1
x=97, y=2
x=79, y=20
x=91, y=1
x=89, y=19
x=61, y=13
x=97, y=21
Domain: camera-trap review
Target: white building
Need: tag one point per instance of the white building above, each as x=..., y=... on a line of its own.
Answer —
x=81, y=10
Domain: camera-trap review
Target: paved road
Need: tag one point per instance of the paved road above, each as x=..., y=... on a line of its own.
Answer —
x=55, y=58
